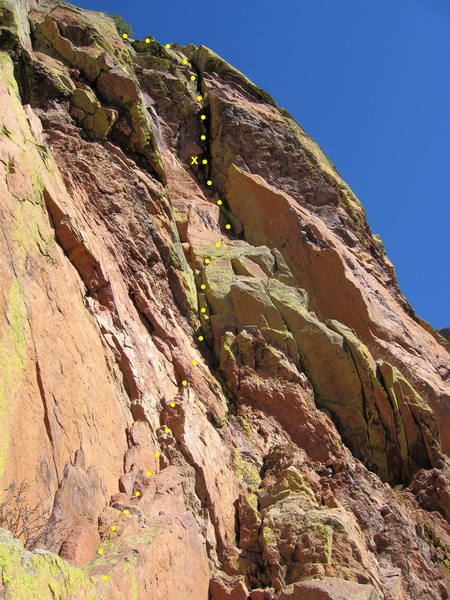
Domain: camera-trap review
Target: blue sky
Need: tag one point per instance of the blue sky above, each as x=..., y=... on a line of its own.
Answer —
x=369, y=80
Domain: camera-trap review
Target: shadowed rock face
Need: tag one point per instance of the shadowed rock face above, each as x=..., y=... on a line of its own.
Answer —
x=211, y=386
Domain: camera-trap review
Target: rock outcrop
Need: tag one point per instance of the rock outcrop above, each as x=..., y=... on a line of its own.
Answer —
x=211, y=385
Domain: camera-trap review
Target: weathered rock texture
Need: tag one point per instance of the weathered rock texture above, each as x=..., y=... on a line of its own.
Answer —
x=211, y=385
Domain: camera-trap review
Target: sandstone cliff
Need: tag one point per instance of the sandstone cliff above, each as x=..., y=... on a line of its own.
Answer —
x=211, y=385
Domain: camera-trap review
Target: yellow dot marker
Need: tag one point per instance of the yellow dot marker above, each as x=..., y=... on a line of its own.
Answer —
x=157, y=454
x=126, y=511
x=204, y=161
x=209, y=182
x=207, y=261
x=167, y=430
x=199, y=98
x=203, y=117
x=227, y=226
x=147, y=40
x=113, y=527
x=100, y=551
x=125, y=35
x=203, y=138
x=193, y=77
x=203, y=310
x=194, y=362
x=218, y=244
x=105, y=577
x=172, y=404
x=185, y=61
x=184, y=382
x=167, y=45
x=200, y=338
x=219, y=202
x=148, y=473
x=137, y=493
x=203, y=286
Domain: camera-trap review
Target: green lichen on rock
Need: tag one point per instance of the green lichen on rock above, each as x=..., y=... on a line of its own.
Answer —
x=441, y=549
x=180, y=264
x=219, y=423
x=290, y=481
x=345, y=202
x=88, y=110
x=373, y=395
x=40, y=574
x=246, y=426
x=415, y=419
x=14, y=26
x=106, y=68
x=13, y=350
x=218, y=276
x=252, y=501
x=246, y=471
x=31, y=229
x=379, y=243
x=250, y=299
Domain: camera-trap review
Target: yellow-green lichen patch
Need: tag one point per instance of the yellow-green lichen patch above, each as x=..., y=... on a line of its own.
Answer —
x=12, y=25
x=442, y=551
x=290, y=482
x=185, y=272
x=130, y=569
x=40, y=574
x=246, y=471
x=12, y=361
x=246, y=426
x=252, y=501
x=221, y=422
x=12, y=116
x=30, y=230
x=327, y=532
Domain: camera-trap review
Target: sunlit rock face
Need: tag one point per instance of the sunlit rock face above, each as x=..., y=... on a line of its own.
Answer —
x=211, y=386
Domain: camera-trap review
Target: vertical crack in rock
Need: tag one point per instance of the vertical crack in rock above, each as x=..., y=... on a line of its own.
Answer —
x=47, y=424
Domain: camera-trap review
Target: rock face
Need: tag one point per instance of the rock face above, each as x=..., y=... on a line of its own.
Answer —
x=211, y=386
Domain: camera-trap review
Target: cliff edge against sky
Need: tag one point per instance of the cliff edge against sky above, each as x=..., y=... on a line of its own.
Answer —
x=211, y=385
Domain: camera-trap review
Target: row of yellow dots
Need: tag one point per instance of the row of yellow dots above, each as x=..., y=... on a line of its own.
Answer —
x=168, y=46
x=227, y=226
x=126, y=511
x=194, y=362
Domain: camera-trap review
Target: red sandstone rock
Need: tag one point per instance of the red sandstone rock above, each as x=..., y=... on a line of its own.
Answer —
x=285, y=442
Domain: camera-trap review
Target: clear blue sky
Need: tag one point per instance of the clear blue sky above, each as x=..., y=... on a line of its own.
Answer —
x=369, y=80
